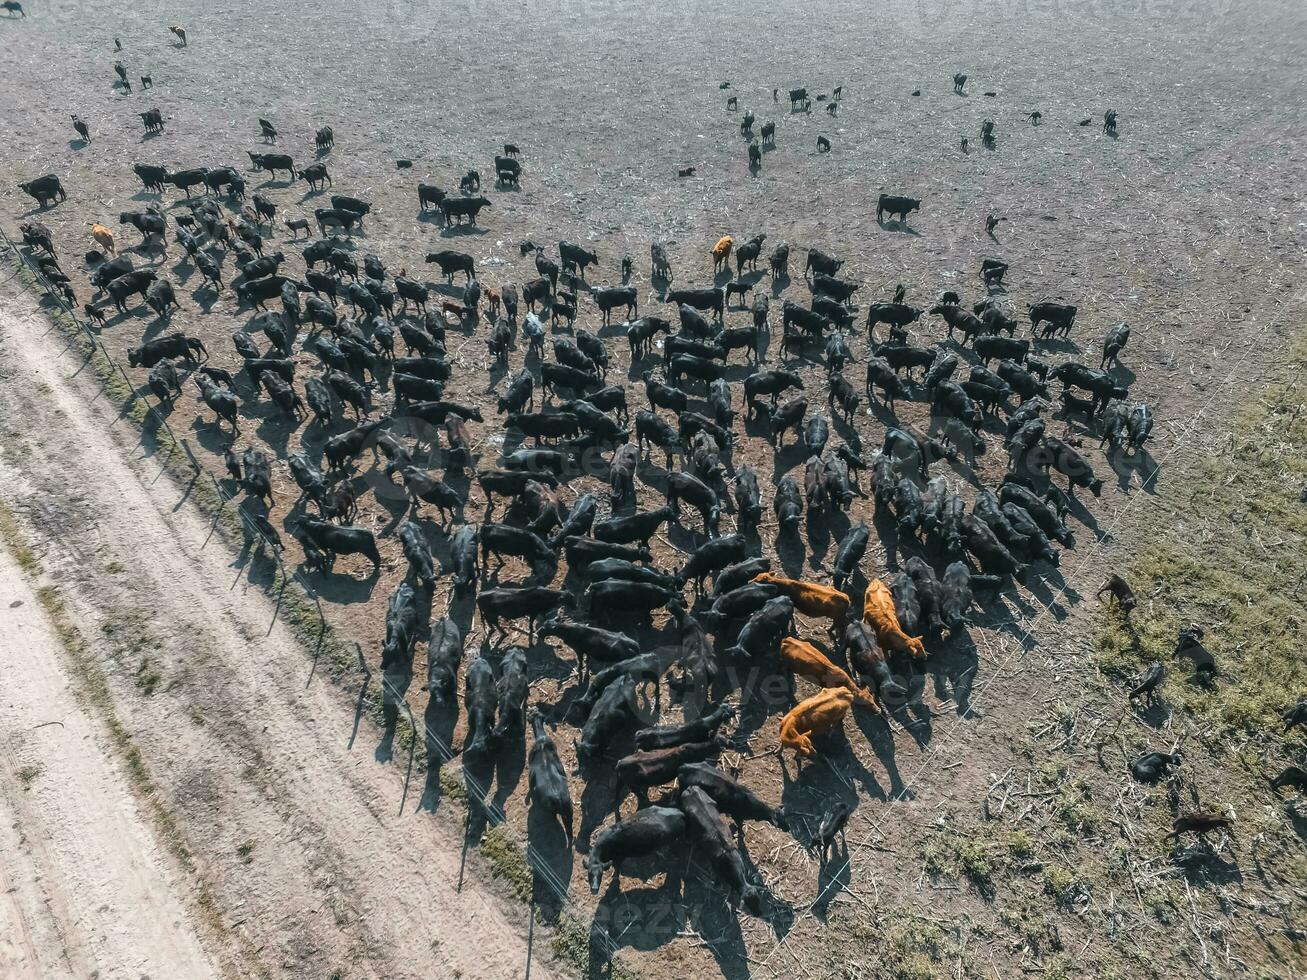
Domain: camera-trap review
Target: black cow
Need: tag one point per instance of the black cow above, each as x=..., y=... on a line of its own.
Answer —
x=316, y=175
x=44, y=189
x=451, y=261
x=128, y=284
x=700, y=299
x=530, y=602
x=608, y=298
x=463, y=207
x=546, y=778
x=331, y=540
x=272, y=162
x=652, y=829
x=1060, y=316
x=152, y=178
x=892, y=204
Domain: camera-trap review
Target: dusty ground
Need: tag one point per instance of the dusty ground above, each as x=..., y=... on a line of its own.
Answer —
x=290, y=826
x=1189, y=226
x=85, y=885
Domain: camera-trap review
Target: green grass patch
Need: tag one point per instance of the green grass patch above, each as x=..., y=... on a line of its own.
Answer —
x=1235, y=563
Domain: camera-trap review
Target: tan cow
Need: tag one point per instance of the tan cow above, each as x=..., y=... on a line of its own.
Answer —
x=104, y=238
x=800, y=657
x=878, y=613
x=817, y=715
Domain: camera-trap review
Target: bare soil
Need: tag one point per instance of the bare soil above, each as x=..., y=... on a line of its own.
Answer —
x=1188, y=225
x=86, y=887
x=290, y=824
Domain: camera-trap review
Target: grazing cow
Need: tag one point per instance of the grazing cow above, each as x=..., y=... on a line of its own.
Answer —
x=1060, y=316
x=104, y=238
x=1057, y=454
x=1197, y=823
x=272, y=162
x=37, y=235
x=1190, y=645
x=180, y=33
x=893, y=204
x=1146, y=684
x=647, y=831
x=324, y=138
x=878, y=612
x=159, y=296
x=832, y=825
x=576, y=257
x=818, y=715
x=13, y=8
x=546, y=777
x=800, y=657
x=837, y=289
x=1119, y=589
x=1113, y=344
x=810, y=598
x=44, y=189
x=316, y=176
x=959, y=82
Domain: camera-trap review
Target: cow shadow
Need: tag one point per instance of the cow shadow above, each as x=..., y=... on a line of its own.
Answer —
x=461, y=231
x=552, y=861
x=644, y=919
x=902, y=227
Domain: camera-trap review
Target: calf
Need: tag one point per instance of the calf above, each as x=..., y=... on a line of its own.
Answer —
x=1190, y=645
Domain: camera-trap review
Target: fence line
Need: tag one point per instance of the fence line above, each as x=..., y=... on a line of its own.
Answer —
x=479, y=793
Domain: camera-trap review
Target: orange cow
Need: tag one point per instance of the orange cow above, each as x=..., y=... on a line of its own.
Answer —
x=810, y=598
x=878, y=613
x=104, y=238
x=800, y=657
x=721, y=252
x=817, y=715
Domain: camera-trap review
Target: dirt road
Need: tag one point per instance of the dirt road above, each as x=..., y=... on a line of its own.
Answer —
x=84, y=885
x=294, y=835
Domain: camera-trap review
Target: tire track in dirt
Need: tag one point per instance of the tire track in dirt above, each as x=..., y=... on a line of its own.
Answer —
x=84, y=886
x=294, y=834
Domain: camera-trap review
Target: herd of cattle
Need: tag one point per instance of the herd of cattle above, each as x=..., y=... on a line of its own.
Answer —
x=349, y=337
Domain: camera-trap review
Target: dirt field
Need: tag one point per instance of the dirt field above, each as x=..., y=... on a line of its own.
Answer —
x=1189, y=225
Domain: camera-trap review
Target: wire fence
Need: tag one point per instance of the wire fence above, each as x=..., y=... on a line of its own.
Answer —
x=480, y=794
